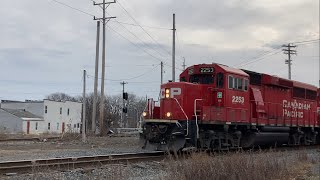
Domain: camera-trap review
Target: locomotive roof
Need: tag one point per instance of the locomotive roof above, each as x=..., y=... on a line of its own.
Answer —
x=233, y=70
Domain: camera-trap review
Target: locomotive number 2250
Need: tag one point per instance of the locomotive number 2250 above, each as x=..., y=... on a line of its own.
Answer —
x=237, y=99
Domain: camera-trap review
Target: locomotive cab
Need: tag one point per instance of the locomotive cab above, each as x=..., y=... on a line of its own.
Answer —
x=205, y=94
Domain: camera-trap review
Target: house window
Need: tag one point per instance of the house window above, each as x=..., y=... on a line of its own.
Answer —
x=75, y=126
x=48, y=126
x=68, y=111
x=61, y=110
x=78, y=125
x=57, y=126
x=45, y=109
x=36, y=126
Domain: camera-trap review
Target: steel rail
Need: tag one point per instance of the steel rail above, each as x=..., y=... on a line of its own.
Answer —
x=69, y=163
x=30, y=139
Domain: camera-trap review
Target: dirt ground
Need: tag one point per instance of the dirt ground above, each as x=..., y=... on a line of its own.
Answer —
x=25, y=150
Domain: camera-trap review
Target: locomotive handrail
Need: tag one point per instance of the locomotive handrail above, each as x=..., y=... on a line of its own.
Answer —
x=184, y=114
x=195, y=114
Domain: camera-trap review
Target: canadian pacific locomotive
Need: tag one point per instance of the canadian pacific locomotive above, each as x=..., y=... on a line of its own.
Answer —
x=219, y=107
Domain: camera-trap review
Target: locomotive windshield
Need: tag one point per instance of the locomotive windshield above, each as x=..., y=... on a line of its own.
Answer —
x=202, y=78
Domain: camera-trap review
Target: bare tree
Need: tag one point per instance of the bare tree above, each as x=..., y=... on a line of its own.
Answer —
x=113, y=108
x=60, y=97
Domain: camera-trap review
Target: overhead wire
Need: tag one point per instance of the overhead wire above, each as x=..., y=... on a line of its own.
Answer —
x=265, y=53
x=160, y=46
x=131, y=24
x=135, y=77
x=79, y=10
x=64, y=4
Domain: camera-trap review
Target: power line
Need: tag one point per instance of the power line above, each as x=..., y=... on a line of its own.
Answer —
x=131, y=24
x=135, y=77
x=113, y=31
x=140, y=39
x=258, y=57
x=142, y=27
x=79, y=10
x=312, y=40
x=261, y=58
x=146, y=26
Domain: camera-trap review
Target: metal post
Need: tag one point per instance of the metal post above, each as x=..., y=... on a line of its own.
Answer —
x=174, y=49
x=95, y=93
x=184, y=64
x=84, y=108
x=123, y=119
x=161, y=72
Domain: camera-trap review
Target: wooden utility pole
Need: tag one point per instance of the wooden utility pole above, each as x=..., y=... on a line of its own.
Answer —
x=290, y=52
x=161, y=72
x=84, y=139
x=174, y=49
x=95, y=93
x=104, y=18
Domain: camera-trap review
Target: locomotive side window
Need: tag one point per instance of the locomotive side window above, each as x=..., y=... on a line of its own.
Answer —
x=240, y=87
x=230, y=82
x=246, y=82
x=220, y=80
x=299, y=92
x=312, y=95
x=238, y=83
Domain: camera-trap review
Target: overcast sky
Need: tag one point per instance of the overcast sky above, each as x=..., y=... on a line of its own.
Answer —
x=45, y=46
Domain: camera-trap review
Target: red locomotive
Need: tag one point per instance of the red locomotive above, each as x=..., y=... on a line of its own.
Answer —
x=219, y=107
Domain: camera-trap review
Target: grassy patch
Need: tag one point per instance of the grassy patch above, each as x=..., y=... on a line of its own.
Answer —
x=238, y=166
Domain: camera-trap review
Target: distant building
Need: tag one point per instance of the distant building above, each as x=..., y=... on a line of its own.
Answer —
x=37, y=117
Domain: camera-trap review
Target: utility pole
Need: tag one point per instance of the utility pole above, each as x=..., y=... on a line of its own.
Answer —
x=161, y=72
x=84, y=139
x=184, y=64
x=290, y=52
x=104, y=18
x=174, y=49
x=95, y=93
x=124, y=96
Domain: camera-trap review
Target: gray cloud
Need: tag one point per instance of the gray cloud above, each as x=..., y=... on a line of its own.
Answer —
x=52, y=43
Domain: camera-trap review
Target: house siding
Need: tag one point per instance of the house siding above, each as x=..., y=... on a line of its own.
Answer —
x=10, y=123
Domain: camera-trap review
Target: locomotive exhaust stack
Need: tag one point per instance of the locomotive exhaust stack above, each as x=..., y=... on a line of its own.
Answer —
x=218, y=107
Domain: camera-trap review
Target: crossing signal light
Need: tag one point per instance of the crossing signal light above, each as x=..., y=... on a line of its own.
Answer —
x=125, y=96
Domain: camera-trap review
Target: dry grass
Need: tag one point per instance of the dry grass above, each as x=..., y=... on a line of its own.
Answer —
x=238, y=166
x=70, y=136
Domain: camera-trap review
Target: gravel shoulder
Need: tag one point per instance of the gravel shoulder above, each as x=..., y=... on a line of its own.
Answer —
x=28, y=150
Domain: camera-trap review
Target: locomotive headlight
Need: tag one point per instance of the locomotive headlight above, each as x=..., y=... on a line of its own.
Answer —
x=168, y=114
x=144, y=114
x=167, y=93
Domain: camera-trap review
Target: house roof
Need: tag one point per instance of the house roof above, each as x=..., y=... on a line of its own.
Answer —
x=21, y=113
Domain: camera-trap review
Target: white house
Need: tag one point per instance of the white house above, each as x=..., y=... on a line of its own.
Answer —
x=37, y=117
x=62, y=117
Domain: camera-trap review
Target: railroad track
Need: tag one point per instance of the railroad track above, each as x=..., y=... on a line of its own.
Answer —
x=30, y=139
x=29, y=166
